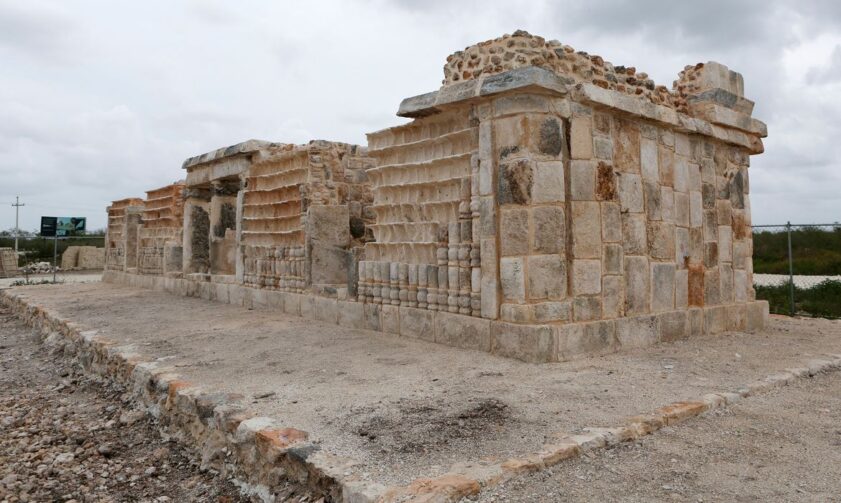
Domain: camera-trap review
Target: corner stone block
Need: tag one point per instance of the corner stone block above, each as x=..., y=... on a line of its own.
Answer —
x=529, y=343
x=465, y=332
x=417, y=323
x=715, y=320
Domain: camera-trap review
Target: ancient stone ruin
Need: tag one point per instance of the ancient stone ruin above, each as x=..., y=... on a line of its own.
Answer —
x=159, y=242
x=82, y=258
x=124, y=217
x=8, y=263
x=542, y=204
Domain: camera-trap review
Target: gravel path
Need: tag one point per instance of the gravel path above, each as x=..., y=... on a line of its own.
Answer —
x=65, y=437
x=784, y=445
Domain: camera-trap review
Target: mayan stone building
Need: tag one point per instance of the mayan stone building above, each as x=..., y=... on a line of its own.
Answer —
x=159, y=241
x=305, y=215
x=124, y=219
x=573, y=204
x=542, y=204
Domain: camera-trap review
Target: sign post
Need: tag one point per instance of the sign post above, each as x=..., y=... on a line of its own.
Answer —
x=56, y=227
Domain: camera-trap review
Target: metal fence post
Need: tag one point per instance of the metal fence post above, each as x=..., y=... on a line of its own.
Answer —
x=790, y=270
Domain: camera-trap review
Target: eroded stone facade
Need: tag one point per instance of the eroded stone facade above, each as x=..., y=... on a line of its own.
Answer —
x=541, y=204
x=124, y=217
x=159, y=245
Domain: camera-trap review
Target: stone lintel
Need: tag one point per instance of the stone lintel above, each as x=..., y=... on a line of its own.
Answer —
x=530, y=78
x=243, y=148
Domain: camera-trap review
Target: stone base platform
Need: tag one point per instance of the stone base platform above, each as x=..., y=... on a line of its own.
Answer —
x=530, y=343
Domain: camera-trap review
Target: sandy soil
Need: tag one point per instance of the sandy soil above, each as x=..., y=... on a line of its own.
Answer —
x=406, y=408
x=780, y=446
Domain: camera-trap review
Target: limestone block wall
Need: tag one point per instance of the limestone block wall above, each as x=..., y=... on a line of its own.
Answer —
x=83, y=257
x=424, y=252
x=121, y=233
x=546, y=187
x=323, y=184
x=159, y=245
x=8, y=263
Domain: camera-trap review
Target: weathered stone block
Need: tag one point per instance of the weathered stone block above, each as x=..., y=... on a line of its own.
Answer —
x=580, y=339
x=548, y=182
x=630, y=193
x=514, y=231
x=372, y=317
x=667, y=204
x=634, y=234
x=292, y=303
x=681, y=209
x=586, y=229
x=581, y=138
x=725, y=243
x=352, y=315
x=586, y=277
x=516, y=179
x=529, y=343
x=725, y=292
x=681, y=288
x=512, y=278
x=662, y=287
x=637, y=331
x=661, y=240
x=714, y=320
x=696, y=210
x=545, y=312
x=613, y=296
x=613, y=258
x=547, y=277
x=736, y=317
x=611, y=222
x=587, y=308
x=681, y=174
x=549, y=229
x=741, y=286
x=665, y=163
x=390, y=319
x=417, y=323
x=636, y=285
x=674, y=326
x=756, y=315
x=582, y=180
x=648, y=160
x=466, y=332
x=626, y=146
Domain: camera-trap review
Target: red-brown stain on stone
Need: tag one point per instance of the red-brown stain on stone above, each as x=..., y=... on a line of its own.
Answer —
x=696, y=285
x=740, y=227
x=281, y=437
x=605, y=182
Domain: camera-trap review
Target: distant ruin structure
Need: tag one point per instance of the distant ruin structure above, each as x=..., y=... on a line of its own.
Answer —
x=542, y=204
x=124, y=219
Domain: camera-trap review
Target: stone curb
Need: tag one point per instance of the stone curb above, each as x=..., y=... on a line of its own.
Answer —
x=264, y=453
x=470, y=478
x=229, y=438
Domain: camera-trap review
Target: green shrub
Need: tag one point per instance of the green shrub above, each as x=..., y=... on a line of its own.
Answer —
x=822, y=300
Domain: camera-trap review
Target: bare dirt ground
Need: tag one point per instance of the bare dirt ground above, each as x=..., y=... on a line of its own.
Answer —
x=780, y=446
x=406, y=408
x=65, y=437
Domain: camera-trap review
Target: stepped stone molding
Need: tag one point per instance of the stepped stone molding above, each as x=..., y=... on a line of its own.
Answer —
x=159, y=244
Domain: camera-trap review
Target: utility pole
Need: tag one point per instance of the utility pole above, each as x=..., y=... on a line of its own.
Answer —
x=17, y=206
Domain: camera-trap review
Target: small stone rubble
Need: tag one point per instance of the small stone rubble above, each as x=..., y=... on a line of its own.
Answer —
x=67, y=436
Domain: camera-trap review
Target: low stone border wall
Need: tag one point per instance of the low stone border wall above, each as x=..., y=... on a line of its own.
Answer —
x=530, y=343
x=258, y=451
x=265, y=454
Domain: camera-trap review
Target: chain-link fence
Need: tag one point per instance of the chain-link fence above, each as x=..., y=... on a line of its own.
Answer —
x=797, y=268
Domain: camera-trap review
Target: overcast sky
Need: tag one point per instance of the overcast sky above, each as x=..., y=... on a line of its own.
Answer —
x=101, y=100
